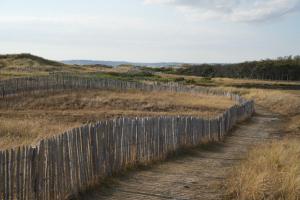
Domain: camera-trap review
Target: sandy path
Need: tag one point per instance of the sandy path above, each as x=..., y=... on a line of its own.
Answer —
x=196, y=175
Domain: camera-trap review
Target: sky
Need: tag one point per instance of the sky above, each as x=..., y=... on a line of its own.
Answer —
x=195, y=31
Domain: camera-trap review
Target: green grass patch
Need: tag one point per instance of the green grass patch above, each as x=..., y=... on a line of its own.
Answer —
x=165, y=70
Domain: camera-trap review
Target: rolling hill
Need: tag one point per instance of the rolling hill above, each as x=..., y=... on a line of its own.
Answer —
x=13, y=65
x=25, y=60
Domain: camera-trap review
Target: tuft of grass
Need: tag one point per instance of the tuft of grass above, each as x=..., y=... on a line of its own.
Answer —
x=27, y=131
x=271, y=171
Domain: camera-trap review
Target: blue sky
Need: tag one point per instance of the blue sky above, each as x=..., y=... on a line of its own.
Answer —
x=151, y=30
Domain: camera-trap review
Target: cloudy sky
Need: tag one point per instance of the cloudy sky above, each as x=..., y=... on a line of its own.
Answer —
x=151, y=30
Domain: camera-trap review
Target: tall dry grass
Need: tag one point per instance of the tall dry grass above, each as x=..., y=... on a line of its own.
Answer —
x=271, y=171
x=283, y=102
x=286, y=103
x=18, y=132
x=27, y=119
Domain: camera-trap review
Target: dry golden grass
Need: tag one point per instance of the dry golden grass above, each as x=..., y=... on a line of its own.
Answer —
x=286, y=103
x=15, y=132
x=271, y=171
x=294, y=124
x=283, y=102
x=280, y=101
x=27, y=119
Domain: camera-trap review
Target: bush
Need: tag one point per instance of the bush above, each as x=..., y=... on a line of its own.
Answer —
x=190, y=81
x=179, y=79
x=207, y=79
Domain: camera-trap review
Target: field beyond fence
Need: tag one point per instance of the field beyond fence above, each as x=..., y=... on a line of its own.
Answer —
x=75, y=160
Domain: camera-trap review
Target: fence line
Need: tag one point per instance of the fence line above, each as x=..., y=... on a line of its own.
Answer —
x=71, y=162
x=52, y=83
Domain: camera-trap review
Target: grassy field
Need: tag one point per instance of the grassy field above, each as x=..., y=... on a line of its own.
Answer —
x=284, y=102
x=270, y=171
x=27, y=119
x=278, y=96
x=236, y=83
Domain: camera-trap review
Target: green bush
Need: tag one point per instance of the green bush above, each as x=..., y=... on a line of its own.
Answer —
x=190, y=81
x=179, y=79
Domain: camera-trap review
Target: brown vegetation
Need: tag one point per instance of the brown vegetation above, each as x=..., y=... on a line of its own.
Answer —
x=271, y=171
x=27, y=119
x=284, y=102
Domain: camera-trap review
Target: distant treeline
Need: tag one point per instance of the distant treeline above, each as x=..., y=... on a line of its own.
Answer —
x=283, y=68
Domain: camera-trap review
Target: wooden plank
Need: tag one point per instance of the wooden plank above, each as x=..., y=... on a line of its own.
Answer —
x=40, y=174
x=67, y=177
x=13, y=173
x=77, y=151
x=2, y=174
x=7, y=175
x=26, y=178
x=30, y=173
x=2, y=177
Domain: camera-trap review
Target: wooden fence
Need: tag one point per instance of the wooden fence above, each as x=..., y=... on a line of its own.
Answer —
x=73, y=161
x=64, y=82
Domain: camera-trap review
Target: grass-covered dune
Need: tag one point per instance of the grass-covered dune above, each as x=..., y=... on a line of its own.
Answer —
x=17, y=65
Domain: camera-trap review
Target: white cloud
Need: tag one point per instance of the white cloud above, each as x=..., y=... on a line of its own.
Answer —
x=232, y=10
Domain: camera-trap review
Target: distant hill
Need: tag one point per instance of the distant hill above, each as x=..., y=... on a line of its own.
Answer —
x=12, y=65
x=25, y=60
x=20, y=65
x=117, y=63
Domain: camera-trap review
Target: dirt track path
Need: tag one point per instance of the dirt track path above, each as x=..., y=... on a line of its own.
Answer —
x=196, y=175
